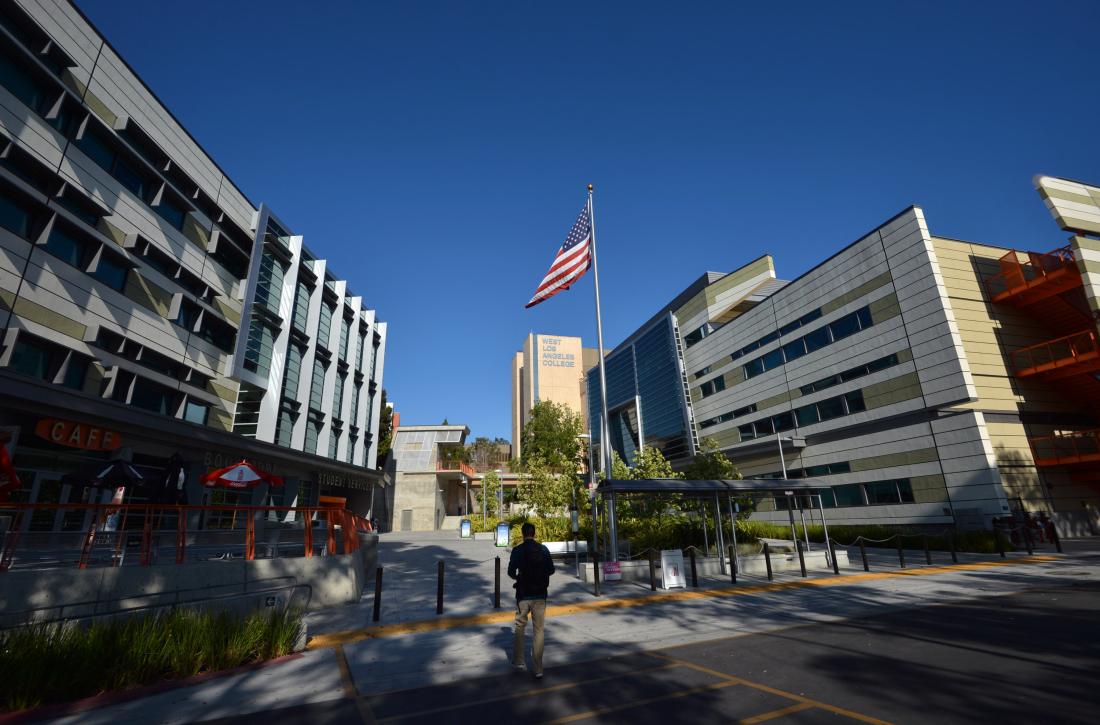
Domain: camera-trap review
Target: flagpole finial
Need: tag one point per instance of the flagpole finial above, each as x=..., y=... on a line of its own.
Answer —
x=590, y=187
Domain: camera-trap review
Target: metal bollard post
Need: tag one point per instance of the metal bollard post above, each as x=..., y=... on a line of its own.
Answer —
x=733, y=566
x=801, y=556
x=768, y=560
x=927, y=551
x=439, y=590
x=1027, y=541
x=1057, y=539
x=377, y=594
x=863, y=555
x=652, y=572
x=1000, y=542
x=596, y=572
x=954, y=550
x=694, y=574
x=496, y=586
x=901, y=552
x=832, y=555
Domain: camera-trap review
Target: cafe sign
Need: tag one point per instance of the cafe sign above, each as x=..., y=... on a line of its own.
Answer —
x=77, y=435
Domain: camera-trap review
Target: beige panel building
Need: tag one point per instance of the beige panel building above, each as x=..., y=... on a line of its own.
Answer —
x=549, y=367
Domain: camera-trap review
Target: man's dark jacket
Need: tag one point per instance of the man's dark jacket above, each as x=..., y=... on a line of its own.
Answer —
x=529, y=553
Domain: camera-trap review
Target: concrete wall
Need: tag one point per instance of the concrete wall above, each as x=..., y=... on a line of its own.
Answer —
x=416, y=492
x=313, y=583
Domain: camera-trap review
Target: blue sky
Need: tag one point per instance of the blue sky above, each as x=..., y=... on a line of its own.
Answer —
x=437, y=153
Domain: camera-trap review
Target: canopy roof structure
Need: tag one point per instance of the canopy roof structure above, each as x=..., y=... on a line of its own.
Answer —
x=740, y=487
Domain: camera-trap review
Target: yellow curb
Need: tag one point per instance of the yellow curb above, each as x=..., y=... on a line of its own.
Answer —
x=564, y=610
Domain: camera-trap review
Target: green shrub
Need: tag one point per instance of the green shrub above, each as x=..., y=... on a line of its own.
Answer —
x=56, y=663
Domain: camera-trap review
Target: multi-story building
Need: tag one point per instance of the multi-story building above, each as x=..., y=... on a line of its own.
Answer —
x=144, y=297
x=928, y=380
x=549, y=367
x=431, y=479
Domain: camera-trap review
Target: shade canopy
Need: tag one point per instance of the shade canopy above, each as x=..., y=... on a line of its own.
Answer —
x=106, y=475
x=744, y=486
x=240, y=475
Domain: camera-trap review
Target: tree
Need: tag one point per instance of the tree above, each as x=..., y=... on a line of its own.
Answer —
x=550, y=437
x=648, y=463
x=485, y=455
x=651, y=463
x=385, y=430
x=545, y=488
x=710, y=463
x=490, y=486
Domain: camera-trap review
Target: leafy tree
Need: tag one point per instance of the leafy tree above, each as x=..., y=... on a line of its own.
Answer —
x=648, y=463
x=545, y=488
x=385, y=430
x=710, y=463
x=550, y=437
x=651, y=463
x=485, y=455
x=490, y=487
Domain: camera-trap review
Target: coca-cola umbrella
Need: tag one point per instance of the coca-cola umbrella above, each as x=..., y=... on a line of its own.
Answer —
x=240, y=475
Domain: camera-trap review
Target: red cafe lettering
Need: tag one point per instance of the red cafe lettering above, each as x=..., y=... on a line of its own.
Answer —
x=77, y=435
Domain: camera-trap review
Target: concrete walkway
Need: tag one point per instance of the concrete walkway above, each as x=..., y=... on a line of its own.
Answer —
x=450, y=650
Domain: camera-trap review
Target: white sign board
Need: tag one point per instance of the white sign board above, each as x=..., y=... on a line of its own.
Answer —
x=672, y=569
x=612, y=571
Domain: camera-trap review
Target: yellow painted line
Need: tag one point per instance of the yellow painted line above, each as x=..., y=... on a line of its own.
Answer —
x=764, y=717
x=350, y=690
x=637, y=703
x=776, y=691
x=528, y=693
x=564, y=610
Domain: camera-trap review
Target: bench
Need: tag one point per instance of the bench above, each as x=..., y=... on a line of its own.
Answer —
x=565, y=548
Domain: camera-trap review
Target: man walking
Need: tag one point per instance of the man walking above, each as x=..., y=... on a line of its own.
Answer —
x=531, y=566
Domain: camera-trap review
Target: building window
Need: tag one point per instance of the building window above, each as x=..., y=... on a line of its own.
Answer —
x=170, y=211
x=836, y=330
x=258, y=350
x=313, y=432
x=850, y=495
x=359, y=352
x=353, y=442
x=338, y=397
x=701, y=373
x=713, y=386
x=110, y=272
x=324, y=326
x=269, y=286
x=301, y=308
x=317, y=389
x=356, y=390
x=67, y=247
x=194, y=412
x=292, y=373
x=23, y=85
x=333, y=442
x=345, y=334
x=696, y=335
x=284, y=428
x=17, y=215
x=188, y=315
x=373, y=360
x=148, y=395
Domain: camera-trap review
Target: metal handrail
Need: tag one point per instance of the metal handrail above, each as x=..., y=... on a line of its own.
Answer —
x=1065, y=447
x=442, y=465
x=1017, y=274
x=152, y=516
x=1059, y=352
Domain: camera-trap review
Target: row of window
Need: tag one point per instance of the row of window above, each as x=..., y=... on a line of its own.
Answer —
x=836, y=330
x=725, y=417
x=55, y=364
x=824, y=469
x=878, y=493
x=713, y=386
x=776, y=334
x=818, y=412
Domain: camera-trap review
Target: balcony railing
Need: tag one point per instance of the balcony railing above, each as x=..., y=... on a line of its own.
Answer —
x=1061, y=357
x=1019, y=275
x=1063, y=449
x=459, y=466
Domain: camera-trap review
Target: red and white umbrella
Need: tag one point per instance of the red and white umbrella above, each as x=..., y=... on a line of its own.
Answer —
x=240, y=475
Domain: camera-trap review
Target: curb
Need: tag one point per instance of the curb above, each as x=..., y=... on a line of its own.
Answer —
x=115, y=697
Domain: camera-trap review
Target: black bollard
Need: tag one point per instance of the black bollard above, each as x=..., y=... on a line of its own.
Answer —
x=1000, y=543
x=694, y=574
x=954, y=549
x=439, y=590
x=1027, y=540
x=496, y=586
x=832, y=555
x=652, y=572
x=596, y=573
x=768, y=560
x=901, y=552
x=733, y=566
x=927, y=551
x=801, y=556
x=377, y=594
x=863, y=555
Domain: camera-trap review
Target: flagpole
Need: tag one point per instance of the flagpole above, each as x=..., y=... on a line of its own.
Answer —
x=604, y=429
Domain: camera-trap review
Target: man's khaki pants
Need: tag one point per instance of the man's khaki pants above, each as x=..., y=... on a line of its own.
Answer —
x=537, y=609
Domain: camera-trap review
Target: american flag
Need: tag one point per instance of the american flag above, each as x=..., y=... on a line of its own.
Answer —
x=572, y=261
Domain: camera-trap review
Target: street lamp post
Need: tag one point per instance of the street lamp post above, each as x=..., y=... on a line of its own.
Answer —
x=500, y=493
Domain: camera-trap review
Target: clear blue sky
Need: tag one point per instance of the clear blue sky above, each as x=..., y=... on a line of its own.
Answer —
x=437, y=153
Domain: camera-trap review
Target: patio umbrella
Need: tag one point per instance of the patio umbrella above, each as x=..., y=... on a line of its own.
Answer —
x=9, y=481
x=240, y=475
x=106, y=475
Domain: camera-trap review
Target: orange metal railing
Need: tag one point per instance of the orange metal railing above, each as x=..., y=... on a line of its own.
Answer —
x=1076, y=349
x=1018, y=274
x=142, y=526
x=442, y=465
x=1063, y=449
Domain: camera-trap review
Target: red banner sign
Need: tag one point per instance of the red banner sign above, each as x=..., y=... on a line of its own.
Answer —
x=77, y=435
